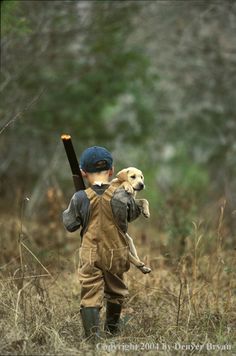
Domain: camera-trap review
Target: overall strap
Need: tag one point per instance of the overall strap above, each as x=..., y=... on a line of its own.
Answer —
x=90, y=193
x=107, y=195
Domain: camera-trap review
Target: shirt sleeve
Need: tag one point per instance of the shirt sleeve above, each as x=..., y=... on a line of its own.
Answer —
x=71, y=217
x=124, y=208
x=133, y=210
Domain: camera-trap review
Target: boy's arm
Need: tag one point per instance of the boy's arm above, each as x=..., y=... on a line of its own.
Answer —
x=124, y=208
x=133, y=210
x=71, y=216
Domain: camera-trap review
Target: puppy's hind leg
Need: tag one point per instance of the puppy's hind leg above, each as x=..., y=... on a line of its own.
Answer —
x=132, y=247
x=133, y=256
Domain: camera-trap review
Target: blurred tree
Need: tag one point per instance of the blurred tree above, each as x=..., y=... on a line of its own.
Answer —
x=192, y=46
x=78, y=54
x=194, y=49
x=141, y=77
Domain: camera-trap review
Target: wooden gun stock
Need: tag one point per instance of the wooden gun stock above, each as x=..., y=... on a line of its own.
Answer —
x=74, y=164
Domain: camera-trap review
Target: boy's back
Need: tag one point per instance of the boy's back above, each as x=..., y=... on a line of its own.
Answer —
x=103, y=212
x=123, y=207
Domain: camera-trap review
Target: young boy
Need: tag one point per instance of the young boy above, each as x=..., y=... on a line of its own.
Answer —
x=103, y=212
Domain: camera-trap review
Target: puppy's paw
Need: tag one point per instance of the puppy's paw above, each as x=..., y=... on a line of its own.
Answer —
x=128, y=188
x=145, y=269
x=146, y=214
x=145, y=209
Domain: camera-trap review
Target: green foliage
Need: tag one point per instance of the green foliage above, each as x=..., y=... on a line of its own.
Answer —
x=136, y=77
x=183, y=187
x=190, y=176
x=79, y=88
x=13, y=19
x=84, y=67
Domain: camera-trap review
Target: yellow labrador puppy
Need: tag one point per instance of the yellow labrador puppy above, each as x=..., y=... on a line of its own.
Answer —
x=132, y=180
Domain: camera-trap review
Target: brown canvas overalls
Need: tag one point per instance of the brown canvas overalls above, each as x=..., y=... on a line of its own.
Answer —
x=103, y=254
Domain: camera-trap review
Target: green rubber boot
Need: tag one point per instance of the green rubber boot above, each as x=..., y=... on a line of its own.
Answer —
x=112, y=317
x=90, y=320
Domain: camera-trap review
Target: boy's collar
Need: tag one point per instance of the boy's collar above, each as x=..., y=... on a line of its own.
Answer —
x=99, y=183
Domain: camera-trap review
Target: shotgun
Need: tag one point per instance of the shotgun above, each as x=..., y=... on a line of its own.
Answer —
x=74, y=164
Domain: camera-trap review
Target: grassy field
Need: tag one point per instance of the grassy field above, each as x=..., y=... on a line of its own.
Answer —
x=185, y=306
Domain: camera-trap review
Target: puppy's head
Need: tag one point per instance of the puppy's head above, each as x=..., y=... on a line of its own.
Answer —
x=132, y=175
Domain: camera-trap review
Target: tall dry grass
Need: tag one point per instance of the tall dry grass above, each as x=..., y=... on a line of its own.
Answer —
x=185, y=301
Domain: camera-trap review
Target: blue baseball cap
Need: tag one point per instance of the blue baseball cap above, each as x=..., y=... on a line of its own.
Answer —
x=96, y=159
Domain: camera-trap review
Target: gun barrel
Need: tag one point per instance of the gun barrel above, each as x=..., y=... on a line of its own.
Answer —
x=74, y=164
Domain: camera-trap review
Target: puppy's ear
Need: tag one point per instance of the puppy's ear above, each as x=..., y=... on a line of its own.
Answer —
x=122, y=175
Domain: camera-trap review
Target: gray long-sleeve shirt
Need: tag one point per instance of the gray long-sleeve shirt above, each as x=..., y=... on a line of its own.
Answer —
x=123, y=206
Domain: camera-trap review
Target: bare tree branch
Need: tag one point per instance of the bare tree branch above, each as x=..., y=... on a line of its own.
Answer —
x=20, y=113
